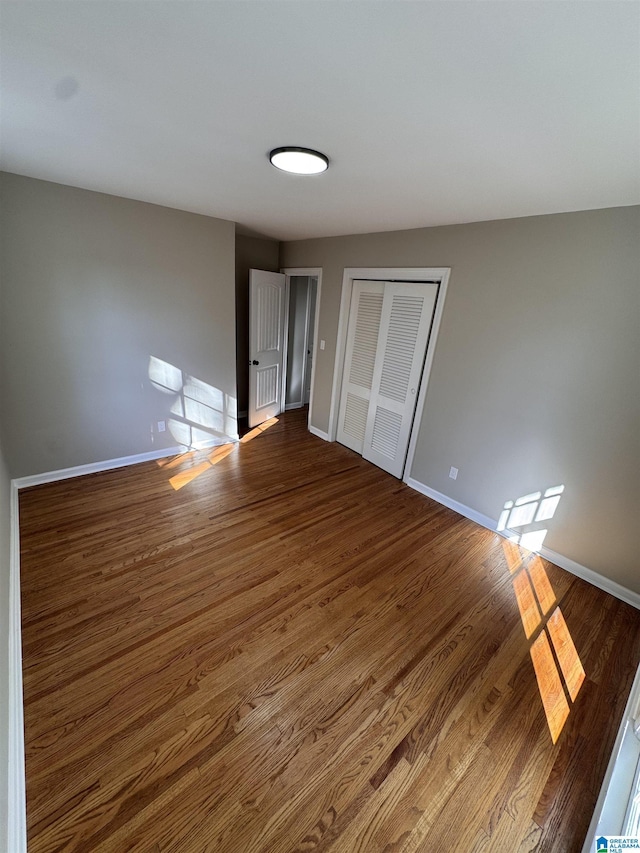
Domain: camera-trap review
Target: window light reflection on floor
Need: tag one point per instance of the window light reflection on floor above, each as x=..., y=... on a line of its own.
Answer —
x=212, y=458
x=558, y=669
x=183, y=478
x=256, y=431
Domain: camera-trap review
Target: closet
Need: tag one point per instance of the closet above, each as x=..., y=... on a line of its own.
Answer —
x=387, y=336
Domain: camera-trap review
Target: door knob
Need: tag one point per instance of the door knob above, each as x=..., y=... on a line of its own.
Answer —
x=255, y=362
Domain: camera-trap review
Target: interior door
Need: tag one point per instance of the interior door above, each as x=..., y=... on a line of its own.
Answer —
x=267, y=314
x=387, y=336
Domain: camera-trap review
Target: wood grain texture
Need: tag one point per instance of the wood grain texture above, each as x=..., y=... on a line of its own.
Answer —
x=277, y=647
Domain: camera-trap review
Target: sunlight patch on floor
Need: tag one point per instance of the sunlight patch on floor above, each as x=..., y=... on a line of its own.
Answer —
x=557, y=665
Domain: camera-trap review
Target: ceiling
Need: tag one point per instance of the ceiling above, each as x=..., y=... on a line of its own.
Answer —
x=430, y=112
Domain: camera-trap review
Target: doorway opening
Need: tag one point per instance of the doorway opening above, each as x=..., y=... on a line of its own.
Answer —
x=301, y=340
x=283, y=328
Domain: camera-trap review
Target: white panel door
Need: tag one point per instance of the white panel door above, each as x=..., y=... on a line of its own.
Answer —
x=360, y=360
x=266, y=344
x=405, y=324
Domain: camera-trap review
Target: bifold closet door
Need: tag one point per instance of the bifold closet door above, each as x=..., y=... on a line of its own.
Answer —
x=359, y=363
x=405, y=324
x=387, y=336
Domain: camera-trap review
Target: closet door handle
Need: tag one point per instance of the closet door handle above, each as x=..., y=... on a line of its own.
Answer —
x=255, y=362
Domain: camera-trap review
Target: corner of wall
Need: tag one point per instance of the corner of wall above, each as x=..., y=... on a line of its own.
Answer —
x=12, y=799
x=620, y=592
x=16, y=803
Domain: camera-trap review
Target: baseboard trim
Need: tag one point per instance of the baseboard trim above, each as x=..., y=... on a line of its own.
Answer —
x=97, y=467
x=594, y=578
x=17, y=803
x=289, y=406
x=319, y=433
x=582, y=572
x=445, y=500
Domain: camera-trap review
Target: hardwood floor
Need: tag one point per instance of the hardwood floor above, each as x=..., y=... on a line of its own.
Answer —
x=281, y=648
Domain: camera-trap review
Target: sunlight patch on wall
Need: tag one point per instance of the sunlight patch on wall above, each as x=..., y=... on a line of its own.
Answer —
x=529, y=511
x=164, y=376
x=201, y=413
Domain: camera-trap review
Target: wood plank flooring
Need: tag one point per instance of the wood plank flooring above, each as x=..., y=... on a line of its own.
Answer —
x=281, y=648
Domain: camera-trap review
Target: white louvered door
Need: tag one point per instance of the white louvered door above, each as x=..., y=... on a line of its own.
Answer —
x=388, y=332
x=404, y=331
x=360, y=359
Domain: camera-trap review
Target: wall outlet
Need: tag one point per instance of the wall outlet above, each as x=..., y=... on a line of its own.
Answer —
x=161, y=426
x=453, y=473
x=322, y=344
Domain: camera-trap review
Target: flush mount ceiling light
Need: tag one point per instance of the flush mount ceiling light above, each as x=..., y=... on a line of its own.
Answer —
x=299, y=161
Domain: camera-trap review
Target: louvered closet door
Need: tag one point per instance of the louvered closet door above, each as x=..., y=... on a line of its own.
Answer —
x=387, y=336
x=402, y=342
x=360, y=360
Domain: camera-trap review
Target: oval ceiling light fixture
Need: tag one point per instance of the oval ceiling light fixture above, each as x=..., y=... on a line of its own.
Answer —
x=299, y=161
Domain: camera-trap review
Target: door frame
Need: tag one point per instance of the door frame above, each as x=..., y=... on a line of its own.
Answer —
x=307, y=327
x=439, y=275
x=314, y=272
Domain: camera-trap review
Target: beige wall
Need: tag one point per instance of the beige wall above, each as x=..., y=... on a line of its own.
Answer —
x=535, y=377
x=258, y=254
x=93, y=287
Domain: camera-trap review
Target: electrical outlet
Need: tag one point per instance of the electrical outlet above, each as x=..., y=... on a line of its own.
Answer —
x=161, y=426
x=321, y=344
x=453, y=473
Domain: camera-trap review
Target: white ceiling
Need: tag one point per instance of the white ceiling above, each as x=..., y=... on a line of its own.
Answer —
x=430, y=112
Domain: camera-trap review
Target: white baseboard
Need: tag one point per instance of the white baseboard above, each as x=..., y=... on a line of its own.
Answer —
x=96, y=467
x=319, y=433
x=582, y=572
x=594, y=578
x=17, y=804
x=290, y=406
x=461, y=509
